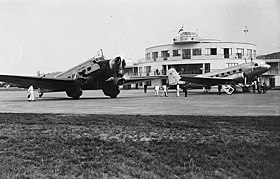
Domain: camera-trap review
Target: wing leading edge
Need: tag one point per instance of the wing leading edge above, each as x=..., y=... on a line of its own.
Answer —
x=211, y=81
x=54, y=84
x=139, y=79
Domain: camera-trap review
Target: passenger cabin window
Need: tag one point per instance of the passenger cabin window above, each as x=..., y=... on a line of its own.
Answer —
x=240, y=70
x=228, y=72
x=89, y=68
x=234, y=71
x=256, y=64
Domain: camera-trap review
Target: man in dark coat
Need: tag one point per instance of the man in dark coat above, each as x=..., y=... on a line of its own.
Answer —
x=185, y=89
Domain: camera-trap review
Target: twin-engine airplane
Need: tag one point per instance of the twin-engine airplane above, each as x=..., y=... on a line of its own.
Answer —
x=95, y=73
x=227, y=77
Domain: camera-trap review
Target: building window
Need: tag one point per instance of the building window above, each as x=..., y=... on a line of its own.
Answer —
x=254, y=54
x=176, y=53
x=148, y=70
x=155, y=55
x=239, y=52
x=231, y=64
x=207, y=51
x=186, y=53
x=207, y=67
x=196, y=51
x=165, y=54
x=140, y=71
x=148, y=56
x=211, y=51
x=227, y=52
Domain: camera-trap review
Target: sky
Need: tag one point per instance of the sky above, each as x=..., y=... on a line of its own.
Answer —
x=54, y=35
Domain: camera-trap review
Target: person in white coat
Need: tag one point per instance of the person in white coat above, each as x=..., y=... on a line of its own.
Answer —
x=164, y=91
x=177, y=90
x=156, y=89
x=30, y=93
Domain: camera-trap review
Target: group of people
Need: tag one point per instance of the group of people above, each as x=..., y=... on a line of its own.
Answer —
x=261, y=88
x=165, y=91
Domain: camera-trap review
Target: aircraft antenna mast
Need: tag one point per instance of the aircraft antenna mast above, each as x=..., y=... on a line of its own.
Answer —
x=101, y=52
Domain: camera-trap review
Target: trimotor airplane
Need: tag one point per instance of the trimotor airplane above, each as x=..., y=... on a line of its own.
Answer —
x=227, y=77
x=95, y=73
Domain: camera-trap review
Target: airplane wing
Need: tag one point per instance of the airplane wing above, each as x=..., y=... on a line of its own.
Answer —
x=139, y=79
x=54, y=84
x=205, y=80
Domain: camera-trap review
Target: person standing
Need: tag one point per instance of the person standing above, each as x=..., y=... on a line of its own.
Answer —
x=156, y=89
x=260, y=88
x=145, y=88
x=254, y=87
x=177, y=90
x=164, y=91
x=219, y=89
x=185, y=89
x=30, y=93
x=264, y=87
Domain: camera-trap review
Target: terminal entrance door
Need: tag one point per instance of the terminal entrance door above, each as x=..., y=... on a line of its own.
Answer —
x=272, y=82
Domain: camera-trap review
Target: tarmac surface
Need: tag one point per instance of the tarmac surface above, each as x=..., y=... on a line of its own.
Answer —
x=138, y=102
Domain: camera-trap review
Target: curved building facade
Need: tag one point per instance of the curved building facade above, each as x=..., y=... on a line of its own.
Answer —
x=190, y=54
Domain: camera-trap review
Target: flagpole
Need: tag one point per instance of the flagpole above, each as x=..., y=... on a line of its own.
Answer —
x=246, y=31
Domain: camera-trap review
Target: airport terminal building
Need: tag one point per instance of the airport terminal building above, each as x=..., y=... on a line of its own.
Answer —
x=272, y=77
x=190, y=54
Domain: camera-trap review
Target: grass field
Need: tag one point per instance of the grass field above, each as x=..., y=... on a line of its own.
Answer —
x=136, y=146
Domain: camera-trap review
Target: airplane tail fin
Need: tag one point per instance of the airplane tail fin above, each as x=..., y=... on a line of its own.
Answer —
x=173, y=77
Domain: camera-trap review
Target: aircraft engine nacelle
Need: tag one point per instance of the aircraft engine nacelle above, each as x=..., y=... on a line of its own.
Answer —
x=111, y=88
x=75, y=92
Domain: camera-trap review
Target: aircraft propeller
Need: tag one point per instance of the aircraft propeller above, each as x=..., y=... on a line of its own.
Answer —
x=123, y=64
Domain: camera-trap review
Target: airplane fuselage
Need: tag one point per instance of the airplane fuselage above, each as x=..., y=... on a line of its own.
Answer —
x=93, y=74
